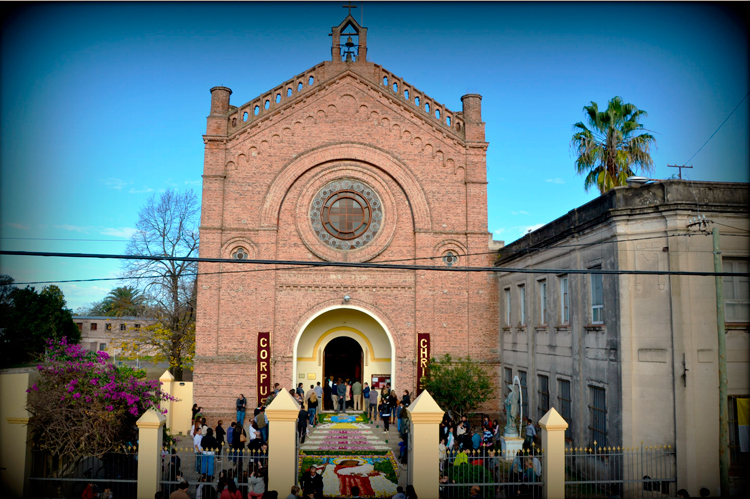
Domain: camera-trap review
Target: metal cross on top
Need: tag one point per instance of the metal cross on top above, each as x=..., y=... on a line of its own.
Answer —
x=350, y=7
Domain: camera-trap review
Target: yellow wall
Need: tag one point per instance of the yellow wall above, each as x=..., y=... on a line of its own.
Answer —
x=336, y=324
x=14, y=457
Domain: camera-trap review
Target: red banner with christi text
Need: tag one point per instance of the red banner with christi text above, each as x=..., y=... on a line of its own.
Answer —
x=423, y=358
x=264, y=367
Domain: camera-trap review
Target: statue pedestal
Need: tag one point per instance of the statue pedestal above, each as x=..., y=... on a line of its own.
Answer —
x=510, y=446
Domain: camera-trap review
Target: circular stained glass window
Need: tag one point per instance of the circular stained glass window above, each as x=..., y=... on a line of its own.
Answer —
x=346, y=214
x=240, y=254
x=450, y=258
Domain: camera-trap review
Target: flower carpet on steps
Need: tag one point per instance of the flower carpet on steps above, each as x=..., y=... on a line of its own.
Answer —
x=347, y=453
x=354, y=436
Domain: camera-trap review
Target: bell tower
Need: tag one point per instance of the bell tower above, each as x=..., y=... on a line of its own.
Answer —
x=354, y=48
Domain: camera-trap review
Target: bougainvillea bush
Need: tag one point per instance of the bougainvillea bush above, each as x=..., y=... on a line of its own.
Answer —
x=82, y=405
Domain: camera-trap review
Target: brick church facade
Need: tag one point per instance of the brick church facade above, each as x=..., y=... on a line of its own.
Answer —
x=345, y=162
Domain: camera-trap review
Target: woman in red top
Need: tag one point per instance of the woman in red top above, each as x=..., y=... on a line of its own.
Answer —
x=88, y=492
x=231, y=491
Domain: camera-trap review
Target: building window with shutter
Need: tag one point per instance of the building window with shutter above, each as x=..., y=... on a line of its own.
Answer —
x=507, y=307
x=543, y=391
x=564, y=400
x=736, y=292
x=543, y=302
x=564, y=300
x=597, y=298
x=524, y=393
x=522, y=301
x=598, y=415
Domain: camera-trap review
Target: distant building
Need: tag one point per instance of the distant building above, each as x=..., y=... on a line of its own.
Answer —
x=102, y=333
x=626, y=358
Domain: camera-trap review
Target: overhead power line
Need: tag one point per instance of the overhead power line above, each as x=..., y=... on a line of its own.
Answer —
x=722, y=124
x=247, y=271
x=364, y=265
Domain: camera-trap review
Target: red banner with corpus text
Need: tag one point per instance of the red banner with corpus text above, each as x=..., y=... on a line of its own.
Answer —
x=264, y=366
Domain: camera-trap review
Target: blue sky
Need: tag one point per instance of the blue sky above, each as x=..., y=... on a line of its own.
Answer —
x=103, y=105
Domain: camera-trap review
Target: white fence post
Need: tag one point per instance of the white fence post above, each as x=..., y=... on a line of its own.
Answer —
x=553, y=457
x=424, y=458
x=282, y=415
x=150, y=443
x=167, y=386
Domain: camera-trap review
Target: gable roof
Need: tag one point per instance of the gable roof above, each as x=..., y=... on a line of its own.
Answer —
x=309, y=82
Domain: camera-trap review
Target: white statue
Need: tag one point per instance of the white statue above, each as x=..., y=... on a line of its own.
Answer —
x=511, y=411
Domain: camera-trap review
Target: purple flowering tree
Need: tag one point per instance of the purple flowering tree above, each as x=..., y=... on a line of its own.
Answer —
x=82, y=405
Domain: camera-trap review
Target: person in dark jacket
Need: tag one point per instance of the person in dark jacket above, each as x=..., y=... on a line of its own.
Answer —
x=326, y=397
x=302, y=418
x=341, y=391
x=334, y=396
x=406, y=399
x=209, y=446
x=312, y=483
x=220, y=433
x=238, y=444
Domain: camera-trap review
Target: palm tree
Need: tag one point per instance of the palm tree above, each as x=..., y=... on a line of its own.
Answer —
x=125, y=300
x=612, y=146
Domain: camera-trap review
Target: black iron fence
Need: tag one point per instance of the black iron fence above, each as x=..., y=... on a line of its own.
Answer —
x=496, y=474
x=204, y=468
x=645, y=471
x=52, y=476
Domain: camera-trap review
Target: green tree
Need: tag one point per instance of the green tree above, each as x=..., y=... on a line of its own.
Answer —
x=124, y=300
x=612, y=146
x=458, y=385
x=83, y=405
x=32, y=318
x=168, y=227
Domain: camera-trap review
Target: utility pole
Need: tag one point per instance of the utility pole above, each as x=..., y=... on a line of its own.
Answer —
x=723, y=411
x=679, y=175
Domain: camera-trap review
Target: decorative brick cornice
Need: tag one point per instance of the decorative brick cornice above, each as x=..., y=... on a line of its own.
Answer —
x=264, y=116
x=319, y=287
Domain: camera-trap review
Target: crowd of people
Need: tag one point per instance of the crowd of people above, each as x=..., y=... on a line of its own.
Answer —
x=242, y=448
x=462, y=443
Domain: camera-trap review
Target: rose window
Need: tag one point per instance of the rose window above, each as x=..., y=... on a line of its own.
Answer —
x=346, y=214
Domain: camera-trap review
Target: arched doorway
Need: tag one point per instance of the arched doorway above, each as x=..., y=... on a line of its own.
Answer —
x=343, y=360
x=346, y=342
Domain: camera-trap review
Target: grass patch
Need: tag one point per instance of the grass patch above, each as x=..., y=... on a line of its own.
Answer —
x=307, y=462
x=360, y=417
x=386, y=467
